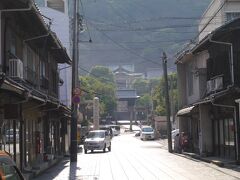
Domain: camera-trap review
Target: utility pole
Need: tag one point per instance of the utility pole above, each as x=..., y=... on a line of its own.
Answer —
x=169, y=128
x=172, y=102
x=74, y=117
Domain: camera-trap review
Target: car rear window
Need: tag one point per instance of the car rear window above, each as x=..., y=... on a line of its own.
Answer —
x=147, y=129
x=9, y=172
x=96, y=135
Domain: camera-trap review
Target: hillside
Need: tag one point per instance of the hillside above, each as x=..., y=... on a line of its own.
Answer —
x=137, y=31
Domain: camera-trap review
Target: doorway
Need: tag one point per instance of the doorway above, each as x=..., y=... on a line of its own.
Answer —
x=224, y=138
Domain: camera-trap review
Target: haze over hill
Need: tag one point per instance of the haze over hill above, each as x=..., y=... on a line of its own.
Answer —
x=137, y=31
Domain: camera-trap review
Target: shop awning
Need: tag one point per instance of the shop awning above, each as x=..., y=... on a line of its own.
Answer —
x=185, y=111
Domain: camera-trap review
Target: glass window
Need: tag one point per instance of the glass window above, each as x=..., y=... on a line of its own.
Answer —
x=13, y=44
x=30, y=59
x=42, y=68
x=57, y=5
x=148, y=129
x=96, y=135
x=231, y=132
x=40, y=3
x=9, y=172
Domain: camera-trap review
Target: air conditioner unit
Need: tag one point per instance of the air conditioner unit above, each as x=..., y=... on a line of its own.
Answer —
x=218, y=83
x=210, y=86
x=15, y=68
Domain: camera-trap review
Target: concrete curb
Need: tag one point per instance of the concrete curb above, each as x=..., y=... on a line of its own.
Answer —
x=198, y=157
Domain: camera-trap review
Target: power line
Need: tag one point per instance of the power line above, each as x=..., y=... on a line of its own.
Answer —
x=88, y=30
x=199, y=33
x=141, y=42
x=161, y=28
x=129, y=50
x=93, y=92
x=151, y=19
x=96, y=76
x=123, y=23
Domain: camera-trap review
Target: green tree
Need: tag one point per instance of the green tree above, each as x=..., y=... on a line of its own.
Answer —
x=144, y=101
x=103, y=74
x=159, y=95
x=101, y=86
x=153, y=83
x=141, y=86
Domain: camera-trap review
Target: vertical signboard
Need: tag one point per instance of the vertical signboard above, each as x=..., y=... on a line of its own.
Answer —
x=96, y=113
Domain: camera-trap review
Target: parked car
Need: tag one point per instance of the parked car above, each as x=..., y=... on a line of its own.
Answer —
x=97, y=140
x=8, y=169
x=115, y=129
x=137, y=134
x=108, y=129
x=9, y=136
x=147, y=132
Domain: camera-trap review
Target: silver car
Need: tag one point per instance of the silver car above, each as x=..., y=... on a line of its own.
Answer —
x=147, y=132
x=97, y=140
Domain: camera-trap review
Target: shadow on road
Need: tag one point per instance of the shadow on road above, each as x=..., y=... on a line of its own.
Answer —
x=98, y=152
x=73, y=170
x=54, y=171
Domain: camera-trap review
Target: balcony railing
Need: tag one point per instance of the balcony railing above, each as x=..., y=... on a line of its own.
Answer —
x=31, y=76
x=215, y=84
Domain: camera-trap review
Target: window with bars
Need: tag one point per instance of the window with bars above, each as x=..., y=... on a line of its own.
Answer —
x=56, y=4
x=232, y=15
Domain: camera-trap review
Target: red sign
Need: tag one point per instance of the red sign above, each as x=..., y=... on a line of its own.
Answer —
x=76, y=99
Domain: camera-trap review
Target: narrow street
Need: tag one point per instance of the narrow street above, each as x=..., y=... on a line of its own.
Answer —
x=133, y=159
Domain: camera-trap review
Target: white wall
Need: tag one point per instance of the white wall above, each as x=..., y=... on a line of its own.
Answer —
x=198, y=71
x=220, y=18
x=60, y=26
x=182, y=91
x=205, y=133
x=208, y=14
x=232, y=6
x=198, y=62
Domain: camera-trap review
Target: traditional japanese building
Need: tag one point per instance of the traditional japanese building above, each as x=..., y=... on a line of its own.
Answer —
x=33, y=120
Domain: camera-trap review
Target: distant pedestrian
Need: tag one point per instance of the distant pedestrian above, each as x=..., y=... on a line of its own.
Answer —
x=184, y=141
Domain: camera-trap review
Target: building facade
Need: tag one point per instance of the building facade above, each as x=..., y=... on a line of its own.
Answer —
x=57, y=11
x=209, y=93
x=33, y=120
x=217, y=14
x=125, y=93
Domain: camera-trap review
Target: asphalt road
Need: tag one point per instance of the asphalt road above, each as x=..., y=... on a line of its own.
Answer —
x=133, y=159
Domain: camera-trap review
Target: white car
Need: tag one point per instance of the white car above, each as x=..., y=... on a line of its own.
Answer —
x=174, y=133
x=115, y=129
x=97, y=140
x=146, y=133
